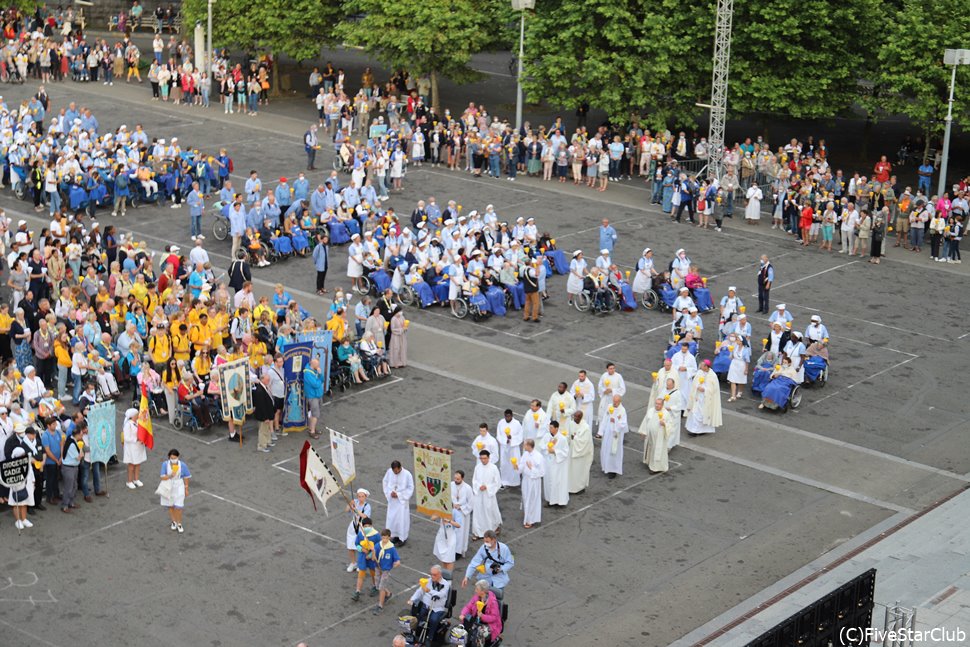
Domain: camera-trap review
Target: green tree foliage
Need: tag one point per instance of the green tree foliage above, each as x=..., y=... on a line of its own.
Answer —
x=909, y=76
x=433, y=37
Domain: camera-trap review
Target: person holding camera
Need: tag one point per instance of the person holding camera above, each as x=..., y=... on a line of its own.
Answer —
x=492, y=563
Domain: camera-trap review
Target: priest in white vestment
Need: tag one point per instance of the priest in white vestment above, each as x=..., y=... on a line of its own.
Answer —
x=561, y=404
x=611, y=384
x=486, y=482
x=484, y=440
x=584, y=392
x=554, y=446
x=508, y=435
x=398, y=488
x=614, y=426
x=534, y=422
x=660, y=378
x=580, y=452
x=532, y=466
x=673, y=404
x=461, y=501
x=655, y=427
x=685, y=365
x=704, y=408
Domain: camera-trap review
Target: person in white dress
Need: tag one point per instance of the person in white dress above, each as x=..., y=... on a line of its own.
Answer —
x=584, y=392
x=685, y=365
x=614, y=426
x=643, y=280
x=355, y=259
x=580, y=452
x=135, y=452
x=752, y=212
x=534, y=422
x=484, y=440
x=577, y=272
x=486, y=482
x=508, y=435
x=398, y=485
x=562, y=404
x=611, y=384
x=532, y=466
x=704, y=404
x=672, y=402
x=360, y=508
x=177, y=474
x=446, y=540
x=655, y=429
x=738, y=370
x=461, y=500
x=554, y=447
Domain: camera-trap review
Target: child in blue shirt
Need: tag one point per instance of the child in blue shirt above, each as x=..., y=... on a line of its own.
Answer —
x=387, y=559
x=367, y=540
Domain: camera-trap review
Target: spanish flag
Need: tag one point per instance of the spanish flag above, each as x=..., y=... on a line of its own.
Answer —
x=145, y=434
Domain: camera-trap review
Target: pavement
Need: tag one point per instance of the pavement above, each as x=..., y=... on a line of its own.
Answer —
x=644, y=559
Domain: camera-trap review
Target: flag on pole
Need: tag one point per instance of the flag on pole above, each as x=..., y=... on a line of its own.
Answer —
x=145, y=434
x=342, y=455
x=315, y=477
x=432, y=480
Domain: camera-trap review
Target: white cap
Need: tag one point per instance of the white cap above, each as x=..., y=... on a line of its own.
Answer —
x=604, y=251
x=732, y=289
x=781, y=306
x=816, y=318
x=577, y=253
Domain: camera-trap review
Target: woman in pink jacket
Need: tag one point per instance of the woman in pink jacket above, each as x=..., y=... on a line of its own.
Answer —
x=483, y=608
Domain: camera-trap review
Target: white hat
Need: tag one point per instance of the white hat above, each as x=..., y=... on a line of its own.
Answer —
x=685, y=289
x=368, y=233
x=678, y=251
x=174, y=249
x=781, y=306
x=366, y=492
x=646, y=250
x=355, y=237
x=577, y=253
x=743, y=316
x=449, y=222
x=816, y=318
x=131, y=413
x=420, y=225
x=530, y=219
x=732, y=289
x=693, y=309
x=604, y=251
x=21, y=223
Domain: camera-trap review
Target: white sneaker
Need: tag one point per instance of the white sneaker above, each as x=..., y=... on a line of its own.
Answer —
x=27, y=523
x=139, y=483
x=179, y=527
x=176, y=206
x=130, y=485
x=19, y=525
x=114, y=214
x=174, y=526
x=351, y=568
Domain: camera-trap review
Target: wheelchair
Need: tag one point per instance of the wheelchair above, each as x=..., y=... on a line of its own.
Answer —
x=407, y=295
x=465, y=305
x=650, y=300
x=220, y=226
x=267, y=252
x=598, y=300
x=340, y=377
x=794, y=400
x=185, y=418
x=365, y=285
x=816, y=372
x=139, y=196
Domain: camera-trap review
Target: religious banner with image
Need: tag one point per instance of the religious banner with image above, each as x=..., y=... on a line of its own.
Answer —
x=296, y=357
x=315, y=477
x=342, y=455
x=432, y=480
x=235, y=390
x=322, y=341
x=102, y=431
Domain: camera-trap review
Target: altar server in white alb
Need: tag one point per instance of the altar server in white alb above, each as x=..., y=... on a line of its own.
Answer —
x=486, y=482
x=508, y=435
x=561, y=404
x=534, y=422
x=554, y=446
x=614, y=427
x=704, y=408
x=461, y=500
x=611, y=384
x=584, y=392
x=484, y=440
x=532, y=466
x=580, y=452
x=398, y=488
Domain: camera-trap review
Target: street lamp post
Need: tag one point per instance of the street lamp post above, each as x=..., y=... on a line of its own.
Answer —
x=208, y=44
x=953, y=58
x=521, y=6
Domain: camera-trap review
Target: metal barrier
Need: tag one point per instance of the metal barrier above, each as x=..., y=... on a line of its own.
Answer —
x=899, y=626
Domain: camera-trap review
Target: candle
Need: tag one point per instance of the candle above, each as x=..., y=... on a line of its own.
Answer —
x=480, y=605
x=654, y=375
x=628, y=275
x=777, y=367
x=480, y=568
x=606, y=382
x=704, y=281
x=407, y=322
x=743, y=308
x=535, y=416
x=562, y=405
x=577, y=390
x=552, y=446
x=676, y=337
x=611, y=409
x=731, y=347
x=825, y=341
x=700, y=380
x=667, y=397
x=480, y=444
x=424, y=583
x=788, y=324
x=660, y=415
x=508, y=432
x=764, y=340
x=514, y=461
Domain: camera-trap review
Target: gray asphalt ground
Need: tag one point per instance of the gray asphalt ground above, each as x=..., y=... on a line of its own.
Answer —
x=640, y=560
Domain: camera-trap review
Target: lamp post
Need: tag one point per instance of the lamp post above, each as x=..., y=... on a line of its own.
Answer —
x=521, y=6
x=953, y=58
x=208, y=44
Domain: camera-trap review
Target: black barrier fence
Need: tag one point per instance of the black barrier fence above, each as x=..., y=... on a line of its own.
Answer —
x=827, y=621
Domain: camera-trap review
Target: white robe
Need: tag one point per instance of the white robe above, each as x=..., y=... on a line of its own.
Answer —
x=555, y=485
x=580, y=455
x=561, y=407
x=753, y=210
x=488, y=443
x=705, y=404
x=446, y=541
x=461, y=500
x=656, y=430
x=614, y=427
x=660, y=384
x=485, y=502
x=616, y=386
x=534, y=424
x=672, y=405
x=398, y=509
x=584, y=399
x=509, y=438
x=684, y=377
x=532, y=467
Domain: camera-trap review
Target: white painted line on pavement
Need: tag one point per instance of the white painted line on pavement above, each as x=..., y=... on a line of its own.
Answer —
x=866, y=379
x=387, y=382
x=810, y=276
x=32, y=636
x=744, y=267
x=873, y=323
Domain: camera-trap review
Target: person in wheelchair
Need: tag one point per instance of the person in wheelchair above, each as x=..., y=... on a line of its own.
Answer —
x=509, y=278
x=107, y=383
x=373, y=355
x=782, y=381
x=596, y=285
x=348, y=357
x=301, y=244
x=149, y=378
x=482, y=616
x=683, y=302
x=429, y=603
x=691, y=322
x=190, y=395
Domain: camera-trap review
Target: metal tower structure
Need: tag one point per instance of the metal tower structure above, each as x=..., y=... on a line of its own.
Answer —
x=719, y=85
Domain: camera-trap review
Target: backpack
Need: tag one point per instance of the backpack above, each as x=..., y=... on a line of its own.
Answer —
x=232, y=167
x=122, y=181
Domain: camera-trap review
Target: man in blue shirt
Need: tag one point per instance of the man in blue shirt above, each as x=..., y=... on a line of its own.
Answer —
x=321, y=260
x=497, y=560
x=607, y=236
x=616, y=149
x=237, y=225
x=196, y=205
x=69, y=467
x=313, y=391
x=52, y=443
x=925, y=172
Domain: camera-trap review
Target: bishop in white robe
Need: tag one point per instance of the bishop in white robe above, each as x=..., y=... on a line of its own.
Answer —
x=584, y=392
x=704, y=407
x=655, y=428
x=614, y=427
x=580, y=452
x=660, y=378
x=611, y=384
x=486, y=482
x=532, y=466
x=398, y=488
x=685, y=365
x=562, y=404
x=461, y=501
x=554, y=446
x=508, y=434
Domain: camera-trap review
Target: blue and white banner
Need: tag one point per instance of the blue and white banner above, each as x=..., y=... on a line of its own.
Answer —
x=102, y=431
x=296, y=357
x=322, y=341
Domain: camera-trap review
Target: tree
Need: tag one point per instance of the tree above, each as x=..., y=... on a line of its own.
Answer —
x=433, y=37
x=909, y=77
x=299, y=30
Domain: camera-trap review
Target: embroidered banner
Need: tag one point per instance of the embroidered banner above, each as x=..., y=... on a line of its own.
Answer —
x=322, y=341
x=235, y=390
x=296, y=357
x=432, y=480
x=102, y=431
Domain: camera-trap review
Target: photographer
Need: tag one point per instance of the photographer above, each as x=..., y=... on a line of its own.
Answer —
x=492, y=563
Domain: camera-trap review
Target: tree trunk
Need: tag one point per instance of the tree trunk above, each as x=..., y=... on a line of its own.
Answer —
x=926, y=144
x=435, y=96
x=274, y=84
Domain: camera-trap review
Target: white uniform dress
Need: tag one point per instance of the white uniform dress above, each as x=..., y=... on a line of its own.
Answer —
x=574, y=284
x=643, y=280
x=609, y=385
x=487, y=515
x=355, y=257
x=740, y=357
x=555, y=485
x=532, y=486
x=508, y=435
x=178, y=473
x=446, y=541
x=753, y=210
x=461, y=501
x=134, y=450
x=365, y=511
